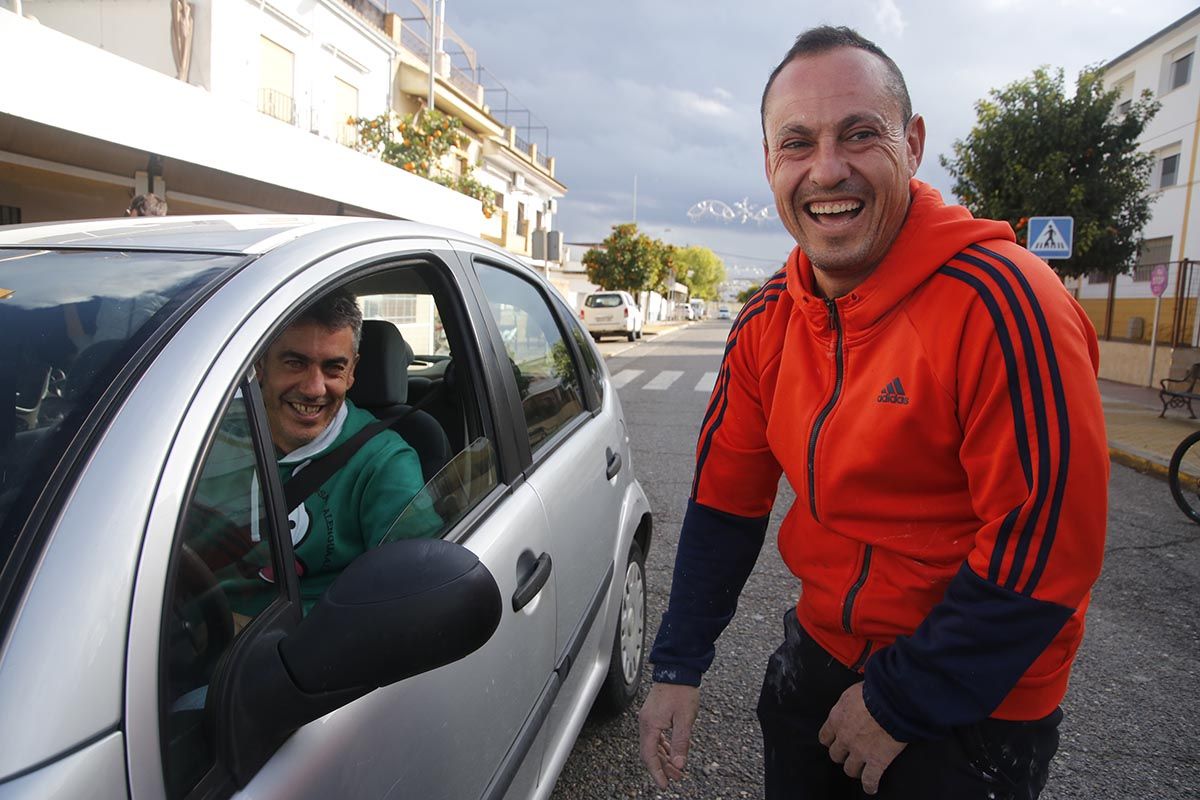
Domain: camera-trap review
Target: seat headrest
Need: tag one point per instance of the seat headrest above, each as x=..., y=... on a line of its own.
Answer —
x=381, y=378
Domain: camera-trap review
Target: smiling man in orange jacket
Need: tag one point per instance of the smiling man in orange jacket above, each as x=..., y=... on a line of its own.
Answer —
x=928, y=387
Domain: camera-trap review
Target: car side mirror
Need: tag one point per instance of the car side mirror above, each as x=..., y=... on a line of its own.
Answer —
x=398, y=610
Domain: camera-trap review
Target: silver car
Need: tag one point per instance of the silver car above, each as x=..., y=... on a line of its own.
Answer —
x=458, y=666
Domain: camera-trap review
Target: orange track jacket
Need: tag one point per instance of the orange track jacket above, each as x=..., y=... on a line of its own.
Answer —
x=941, y=427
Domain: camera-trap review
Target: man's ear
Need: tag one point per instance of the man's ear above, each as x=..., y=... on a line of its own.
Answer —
x=766, y=159
x=914, y=140
x=353, y=370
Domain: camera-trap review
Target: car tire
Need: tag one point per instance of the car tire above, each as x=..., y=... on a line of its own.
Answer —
x=631, y=335
x=624, y=677
x=597, y=337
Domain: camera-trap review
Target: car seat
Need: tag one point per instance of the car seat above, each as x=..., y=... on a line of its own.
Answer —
x=381, y=387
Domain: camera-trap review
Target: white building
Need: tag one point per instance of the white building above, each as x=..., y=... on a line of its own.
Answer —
x=219, y=105
x=1165, y=66
x=504, y=149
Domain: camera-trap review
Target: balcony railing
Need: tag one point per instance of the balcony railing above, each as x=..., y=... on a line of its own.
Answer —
x=369, y=11
x=543, y=161
x=464, y=81
x=415, y=44
x=275, y=103
x=347, y=135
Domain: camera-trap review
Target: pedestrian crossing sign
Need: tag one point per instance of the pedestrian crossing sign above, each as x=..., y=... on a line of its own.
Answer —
x=1051, y=237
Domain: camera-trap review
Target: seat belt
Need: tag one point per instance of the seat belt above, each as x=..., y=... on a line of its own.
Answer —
x=302, y=484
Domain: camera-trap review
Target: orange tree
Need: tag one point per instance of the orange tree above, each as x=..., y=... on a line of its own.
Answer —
x=418, y=143
x=629, y=260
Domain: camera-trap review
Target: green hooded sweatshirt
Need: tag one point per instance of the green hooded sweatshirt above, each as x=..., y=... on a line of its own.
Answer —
x=352, y=512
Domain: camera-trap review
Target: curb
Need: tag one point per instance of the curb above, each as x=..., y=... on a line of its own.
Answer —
x=1142, y=464
x=1151, y=466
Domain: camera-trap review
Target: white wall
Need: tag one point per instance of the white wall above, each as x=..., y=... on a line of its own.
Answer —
x=327, y=40
x=139, y=30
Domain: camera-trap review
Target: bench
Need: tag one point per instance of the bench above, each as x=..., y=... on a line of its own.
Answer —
x=1180, y=392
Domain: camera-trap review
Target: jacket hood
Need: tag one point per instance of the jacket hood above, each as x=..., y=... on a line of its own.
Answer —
x=932, y=234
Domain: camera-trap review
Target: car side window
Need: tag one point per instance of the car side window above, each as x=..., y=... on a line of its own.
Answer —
x=546, y=373
x=223, y=574
x=413, y=335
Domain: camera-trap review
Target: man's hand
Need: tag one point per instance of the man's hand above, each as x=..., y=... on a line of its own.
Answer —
x=671, y=707
x=855, y=740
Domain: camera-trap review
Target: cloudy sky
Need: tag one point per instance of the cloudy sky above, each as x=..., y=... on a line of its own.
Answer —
x=668, y=90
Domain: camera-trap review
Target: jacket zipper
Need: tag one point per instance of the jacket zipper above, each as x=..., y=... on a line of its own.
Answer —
x=848, y=606
x=836, y=326
x=839, y=376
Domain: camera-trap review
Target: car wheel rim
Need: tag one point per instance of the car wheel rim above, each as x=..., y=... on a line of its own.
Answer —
x=633, y=622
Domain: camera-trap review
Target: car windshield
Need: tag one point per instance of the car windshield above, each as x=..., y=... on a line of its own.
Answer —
x=70, y=320
x=603, y=301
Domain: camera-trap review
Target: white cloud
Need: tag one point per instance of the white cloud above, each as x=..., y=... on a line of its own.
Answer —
x=889, y=18
x=692, y=102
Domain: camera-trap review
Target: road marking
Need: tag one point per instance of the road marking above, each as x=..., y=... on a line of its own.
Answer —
x=663, y=380
x=707, y=383
x=625, y=376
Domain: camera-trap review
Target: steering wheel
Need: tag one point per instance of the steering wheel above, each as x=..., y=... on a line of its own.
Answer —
x=201, y=622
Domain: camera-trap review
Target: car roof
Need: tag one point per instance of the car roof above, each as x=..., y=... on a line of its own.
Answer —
x=245, y=234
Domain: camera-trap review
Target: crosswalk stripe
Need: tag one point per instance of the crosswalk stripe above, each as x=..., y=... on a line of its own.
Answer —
x=707, y=383
x=663, y=380
x=625, y=376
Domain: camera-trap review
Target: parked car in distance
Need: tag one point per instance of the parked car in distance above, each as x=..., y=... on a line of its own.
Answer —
x=611, y=314
x=685, y=311
x=723, y=312
x=153, y=638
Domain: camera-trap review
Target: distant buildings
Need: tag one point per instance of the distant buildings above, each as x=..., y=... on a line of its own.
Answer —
x=243, y=105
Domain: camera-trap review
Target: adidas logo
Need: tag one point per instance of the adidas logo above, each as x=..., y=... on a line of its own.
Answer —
x=893, y=393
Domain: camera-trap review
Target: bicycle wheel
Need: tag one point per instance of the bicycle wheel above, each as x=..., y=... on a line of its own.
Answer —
x=1185, y=492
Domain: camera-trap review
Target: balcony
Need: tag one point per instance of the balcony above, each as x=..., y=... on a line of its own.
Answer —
x=275, y=103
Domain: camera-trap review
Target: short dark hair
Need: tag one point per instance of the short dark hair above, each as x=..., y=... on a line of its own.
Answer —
x=147, y=205
x=336, y=310
x=815, y=41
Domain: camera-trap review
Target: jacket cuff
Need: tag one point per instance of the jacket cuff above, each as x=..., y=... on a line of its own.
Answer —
x=668, y=673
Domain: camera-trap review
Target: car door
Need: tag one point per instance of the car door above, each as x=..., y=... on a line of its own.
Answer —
x=458, y=731
x=575, y=463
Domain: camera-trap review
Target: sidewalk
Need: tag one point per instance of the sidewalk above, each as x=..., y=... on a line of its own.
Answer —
x=1137, y=437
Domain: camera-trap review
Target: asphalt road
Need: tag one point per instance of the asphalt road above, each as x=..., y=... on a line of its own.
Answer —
x=1131, y=730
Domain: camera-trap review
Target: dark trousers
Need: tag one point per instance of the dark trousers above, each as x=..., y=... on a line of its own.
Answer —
x=993, y=759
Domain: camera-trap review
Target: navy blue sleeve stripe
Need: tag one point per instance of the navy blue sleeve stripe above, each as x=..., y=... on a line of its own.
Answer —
x=962, y=660
x=720, y=399
x=715, y=556
x=1014, y=392
x=1064, y=422
x=1041, y=423
x=751, y=309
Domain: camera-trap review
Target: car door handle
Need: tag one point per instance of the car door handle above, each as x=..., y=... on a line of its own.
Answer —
x=614, y=463
x=528, y=588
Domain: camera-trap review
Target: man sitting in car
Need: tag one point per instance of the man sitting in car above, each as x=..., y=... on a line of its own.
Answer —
x=304, y=375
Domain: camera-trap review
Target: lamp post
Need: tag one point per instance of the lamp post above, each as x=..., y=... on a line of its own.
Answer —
x=435, y=19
